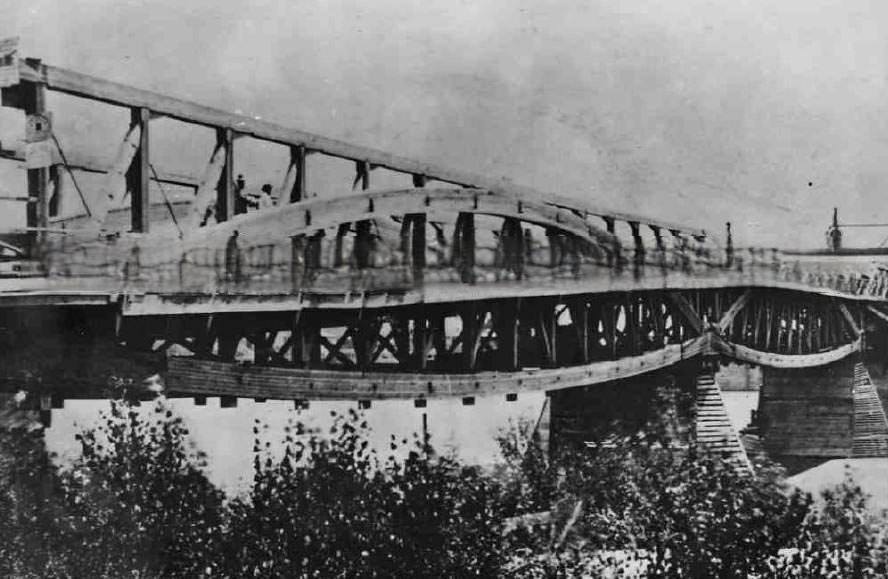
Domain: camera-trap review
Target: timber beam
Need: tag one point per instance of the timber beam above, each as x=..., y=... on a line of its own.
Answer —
x=78, y=84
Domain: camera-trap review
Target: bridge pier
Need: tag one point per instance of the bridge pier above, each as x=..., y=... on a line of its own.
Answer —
x=811, y=415
x=681, y=406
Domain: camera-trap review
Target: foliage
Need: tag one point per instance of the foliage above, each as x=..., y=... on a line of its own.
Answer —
x=138, y=498
x=137, y=504
x=331, y=508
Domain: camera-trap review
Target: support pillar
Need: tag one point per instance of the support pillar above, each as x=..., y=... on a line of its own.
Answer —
x=37, y=213
x=138, y=177
x=225, y=186
x=806, y=415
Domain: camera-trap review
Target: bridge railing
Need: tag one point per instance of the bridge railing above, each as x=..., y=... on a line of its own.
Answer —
x=282, y=268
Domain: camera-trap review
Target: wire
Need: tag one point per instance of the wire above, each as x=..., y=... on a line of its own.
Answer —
x=166, y=201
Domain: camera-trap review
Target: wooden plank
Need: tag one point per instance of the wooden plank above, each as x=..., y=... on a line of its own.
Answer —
x=71, y=82
x=732, y=312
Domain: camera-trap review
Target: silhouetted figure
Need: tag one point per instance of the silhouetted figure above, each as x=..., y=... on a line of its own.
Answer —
x=265, y=198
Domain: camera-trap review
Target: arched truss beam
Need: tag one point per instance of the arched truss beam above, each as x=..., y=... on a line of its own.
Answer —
x=772, y=360
x=312, y=215
x=191, y=375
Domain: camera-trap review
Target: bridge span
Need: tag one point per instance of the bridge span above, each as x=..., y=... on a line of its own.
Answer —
x=450, y=284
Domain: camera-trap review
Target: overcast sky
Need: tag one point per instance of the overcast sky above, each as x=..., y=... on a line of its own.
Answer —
x=697, y=111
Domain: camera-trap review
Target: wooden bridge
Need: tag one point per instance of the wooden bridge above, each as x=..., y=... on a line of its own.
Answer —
x=450, y=284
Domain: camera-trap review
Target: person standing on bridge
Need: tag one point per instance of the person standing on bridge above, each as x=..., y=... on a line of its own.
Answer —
x=265, y=198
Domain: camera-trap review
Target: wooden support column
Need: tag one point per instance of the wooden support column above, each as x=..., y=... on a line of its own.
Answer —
x=297, y=262
x=464, y=244
x=297, y=164
x=341, y=232
x=470, y=335
x=229, y=338
x=362, y=174
x=512, y=239
x=225, y=186
x=36, y=211
x=419, y=339
x=307, y=343
x=417, y=245
x=138, y=176
x=507, y=329
x=639, y=243
x=579, y=315
x=363, y=249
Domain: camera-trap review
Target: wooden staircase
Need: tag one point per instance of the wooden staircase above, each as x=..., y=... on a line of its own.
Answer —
x=870, y=422
x=713, y=428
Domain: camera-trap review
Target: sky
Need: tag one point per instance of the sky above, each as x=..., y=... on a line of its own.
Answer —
x=760, y=113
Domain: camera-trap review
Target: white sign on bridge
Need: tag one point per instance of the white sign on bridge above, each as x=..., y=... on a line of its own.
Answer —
x=9, y=72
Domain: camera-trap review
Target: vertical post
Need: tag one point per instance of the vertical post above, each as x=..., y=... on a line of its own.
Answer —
x=579, y=315
x=37, y=215
x=418, y=245
x=465, y=245
x=225, y=187
x=297, y=159
x=470, y=332
x=363, y=249
x=362, y=174
x=639, y=245
x=297, y=261
x=138, y=176
x=307, y=346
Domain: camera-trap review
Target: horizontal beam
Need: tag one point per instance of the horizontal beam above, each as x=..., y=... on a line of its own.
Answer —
x=74, y=83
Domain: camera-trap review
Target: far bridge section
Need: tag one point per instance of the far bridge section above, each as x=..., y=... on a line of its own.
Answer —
x=449, y=285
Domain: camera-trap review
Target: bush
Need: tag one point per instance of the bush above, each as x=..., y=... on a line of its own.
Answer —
x=330, y=507
x=138, y=499
x=137, y=504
